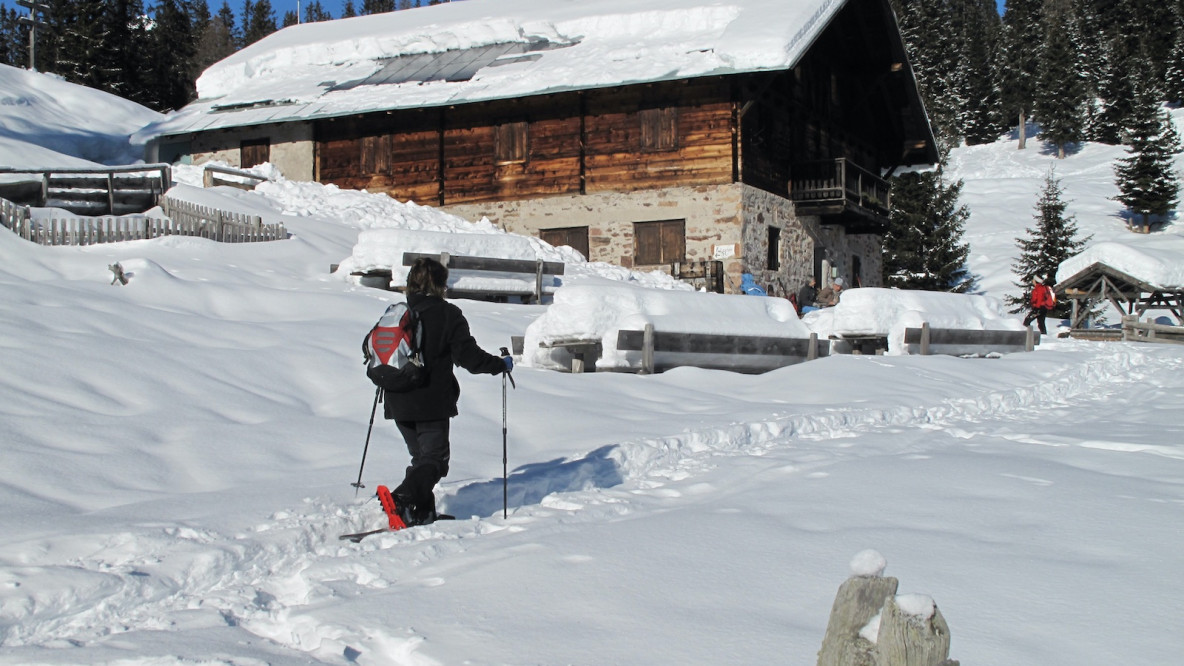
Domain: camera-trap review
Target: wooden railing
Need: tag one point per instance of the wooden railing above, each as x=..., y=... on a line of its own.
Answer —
x=837, y=183
x=213, y=174
x=116, y=190
x=1148, y=331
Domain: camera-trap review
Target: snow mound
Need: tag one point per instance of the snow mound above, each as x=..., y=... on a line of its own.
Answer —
x=596, y=309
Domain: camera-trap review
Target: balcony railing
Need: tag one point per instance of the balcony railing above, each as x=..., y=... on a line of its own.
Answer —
x=835, y=186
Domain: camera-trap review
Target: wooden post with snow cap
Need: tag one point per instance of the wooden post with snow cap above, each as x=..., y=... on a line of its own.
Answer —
x=912, y=632
x=858, y=600
x=924, y=338
x=871, y=626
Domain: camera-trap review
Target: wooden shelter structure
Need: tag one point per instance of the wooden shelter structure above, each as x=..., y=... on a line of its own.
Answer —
x=1128, y=294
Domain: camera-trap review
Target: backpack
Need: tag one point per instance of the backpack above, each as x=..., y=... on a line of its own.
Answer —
x=393, y=350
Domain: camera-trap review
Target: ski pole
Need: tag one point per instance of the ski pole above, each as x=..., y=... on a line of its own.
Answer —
x=505, y=457
x=358, y=484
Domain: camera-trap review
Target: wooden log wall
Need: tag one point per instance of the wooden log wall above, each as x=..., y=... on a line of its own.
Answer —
x=576, y=143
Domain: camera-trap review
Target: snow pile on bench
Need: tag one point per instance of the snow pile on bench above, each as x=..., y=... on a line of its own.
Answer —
x=872, y=311
x=596, y=309
x=382, y=249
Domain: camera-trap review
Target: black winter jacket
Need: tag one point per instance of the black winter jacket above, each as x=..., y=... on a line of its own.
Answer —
x=446, y=342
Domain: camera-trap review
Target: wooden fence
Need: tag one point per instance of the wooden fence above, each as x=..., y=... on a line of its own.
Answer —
x=182, y=219
x=1133, y=329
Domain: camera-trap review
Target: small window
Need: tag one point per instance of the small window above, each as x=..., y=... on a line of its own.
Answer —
x=253, y=152
x=774, y=257
x=376, y=154
x=574, y=237
x=511, y=142
x=659, y=242
x=659, y=129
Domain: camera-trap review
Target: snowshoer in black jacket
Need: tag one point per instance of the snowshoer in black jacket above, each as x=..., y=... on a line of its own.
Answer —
x=422, y=414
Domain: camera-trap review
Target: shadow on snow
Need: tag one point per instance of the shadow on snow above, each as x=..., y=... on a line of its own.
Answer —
x=529, y=484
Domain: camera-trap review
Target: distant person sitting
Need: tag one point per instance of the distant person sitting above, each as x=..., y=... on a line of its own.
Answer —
x=807, y=296
x=749, y=286
x=829, y=296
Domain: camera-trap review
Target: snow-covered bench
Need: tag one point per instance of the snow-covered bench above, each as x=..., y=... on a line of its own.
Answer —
x=662, y=350
x=966, y=342
x=480, y=276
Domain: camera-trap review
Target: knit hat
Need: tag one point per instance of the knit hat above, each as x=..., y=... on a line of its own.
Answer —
x=838, y=282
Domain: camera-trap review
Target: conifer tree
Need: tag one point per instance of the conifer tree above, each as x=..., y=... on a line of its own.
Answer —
x=117, y=66
x=258, y=21
x=1147, y=183
x=930, y=29
x=1060, y=100
x=981, y=117
x=348, y=10
x=1174, y=68
x=1050, y=242
x=217, y=39
x=174, y=45
x=377, y=6
x=1114, y=95
x=12, y=50
x=1022, y=36
x=923, y=248
x=314, y=12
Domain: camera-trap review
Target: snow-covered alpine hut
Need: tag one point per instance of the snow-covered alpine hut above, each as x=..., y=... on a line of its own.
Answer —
x=716, y=136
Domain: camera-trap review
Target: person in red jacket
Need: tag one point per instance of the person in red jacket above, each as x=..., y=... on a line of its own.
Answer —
x=1042, y=300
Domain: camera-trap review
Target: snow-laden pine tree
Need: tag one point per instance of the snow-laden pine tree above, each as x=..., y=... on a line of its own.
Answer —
x=923, y=248
x=1023, y=36
x=1060, y=99
x=1174, y=68
x=981, y=117
x=1147, y=182
x=932, y=32
x=1052, y=240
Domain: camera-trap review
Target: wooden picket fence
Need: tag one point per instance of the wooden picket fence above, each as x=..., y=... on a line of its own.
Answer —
x=182, y=219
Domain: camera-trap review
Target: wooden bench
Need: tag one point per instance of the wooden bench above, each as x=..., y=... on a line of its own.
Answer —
x=738, y=353
x=536, y=271
x=977, y=341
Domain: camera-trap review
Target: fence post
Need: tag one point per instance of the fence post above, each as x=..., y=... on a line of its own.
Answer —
x=538, y=281
x=812, y=352
x=647, y=350
x=1029, y=340
x=924, y=338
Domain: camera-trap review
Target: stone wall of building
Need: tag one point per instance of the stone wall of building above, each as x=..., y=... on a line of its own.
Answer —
x=798, y=237
x=729, y=222
x=291, y=147
x=713, y=215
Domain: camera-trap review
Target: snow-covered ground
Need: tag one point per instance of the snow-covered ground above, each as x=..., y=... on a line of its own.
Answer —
x=178, y=453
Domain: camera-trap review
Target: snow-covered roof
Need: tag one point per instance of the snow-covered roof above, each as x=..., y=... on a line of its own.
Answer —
x=493, y=49
x=1154, y=261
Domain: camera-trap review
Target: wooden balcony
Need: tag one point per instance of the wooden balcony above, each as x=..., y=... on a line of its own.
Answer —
x=841, y=192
